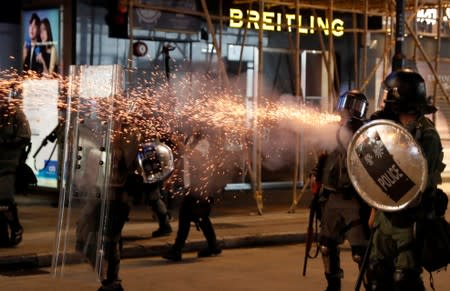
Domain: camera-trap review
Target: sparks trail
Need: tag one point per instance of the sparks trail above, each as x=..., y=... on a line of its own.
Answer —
x=152, y=108
x=158, y=108
x=300, y=116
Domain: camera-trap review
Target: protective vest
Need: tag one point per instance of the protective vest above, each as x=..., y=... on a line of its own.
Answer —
x=427, y=136
x=334, y=172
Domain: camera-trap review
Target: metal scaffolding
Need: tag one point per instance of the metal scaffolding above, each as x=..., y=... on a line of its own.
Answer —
x=363, y=73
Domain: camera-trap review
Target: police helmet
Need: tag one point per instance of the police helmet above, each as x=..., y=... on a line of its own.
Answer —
x=156, y=162
x=354, y=102
x=405, y=92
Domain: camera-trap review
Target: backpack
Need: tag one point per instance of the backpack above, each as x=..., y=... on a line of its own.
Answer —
x=433, y=233
x=432, y=230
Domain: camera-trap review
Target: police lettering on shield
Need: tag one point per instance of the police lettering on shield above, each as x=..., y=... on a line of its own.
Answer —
x=383, y=169
x=392, y=175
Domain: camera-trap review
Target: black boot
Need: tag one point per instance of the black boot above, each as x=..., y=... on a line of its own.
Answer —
x=184, y=225
x=213, y=248
x=334, y=282
x=209, y=252
x=173, y=254
x=162, y=231
x=4, y=232
x=160, y=209
x=405, y=279
x=111, y=258
x=16, y=235
x=11, y=215
x=111, y=286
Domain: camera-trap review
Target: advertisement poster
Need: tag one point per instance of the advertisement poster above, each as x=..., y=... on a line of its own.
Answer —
x=41, y=44
x=40, y=98
x=41, y=56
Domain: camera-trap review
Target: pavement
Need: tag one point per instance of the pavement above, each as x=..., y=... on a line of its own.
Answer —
x=235, y=217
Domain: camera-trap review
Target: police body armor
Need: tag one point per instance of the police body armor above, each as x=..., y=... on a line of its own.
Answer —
x=352, y=106
x=333, y=175
x=336, y=178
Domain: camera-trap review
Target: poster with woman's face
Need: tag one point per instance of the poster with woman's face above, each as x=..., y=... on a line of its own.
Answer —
x=41, y=45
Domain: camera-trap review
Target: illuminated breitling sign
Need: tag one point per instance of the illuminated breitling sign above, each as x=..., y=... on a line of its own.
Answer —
x=275, y=21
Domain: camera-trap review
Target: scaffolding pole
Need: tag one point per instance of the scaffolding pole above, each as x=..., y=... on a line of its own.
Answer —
x=438, y=53
x=298, y=165
x=222, y=71
x=428, y=61
x=258, y=194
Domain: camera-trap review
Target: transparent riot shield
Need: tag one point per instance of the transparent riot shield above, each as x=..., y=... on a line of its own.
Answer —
x=87, y=171
x=386, y=165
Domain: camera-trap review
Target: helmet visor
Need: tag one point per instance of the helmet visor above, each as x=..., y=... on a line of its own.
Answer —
x=356, y=107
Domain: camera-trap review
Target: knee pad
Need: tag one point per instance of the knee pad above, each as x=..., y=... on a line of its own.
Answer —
x=357, y=258
x=324, y=250
x=330, y=257
x=358, y=254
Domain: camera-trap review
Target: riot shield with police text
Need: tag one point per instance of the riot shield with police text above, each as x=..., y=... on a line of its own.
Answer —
x=386, y=165
x=88, y=173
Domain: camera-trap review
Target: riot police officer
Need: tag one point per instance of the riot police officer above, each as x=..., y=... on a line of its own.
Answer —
x=155, y=164
x=200, y=182
x=15, y=135
x=107, y=217
x=394, y=263
x=341, y=208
